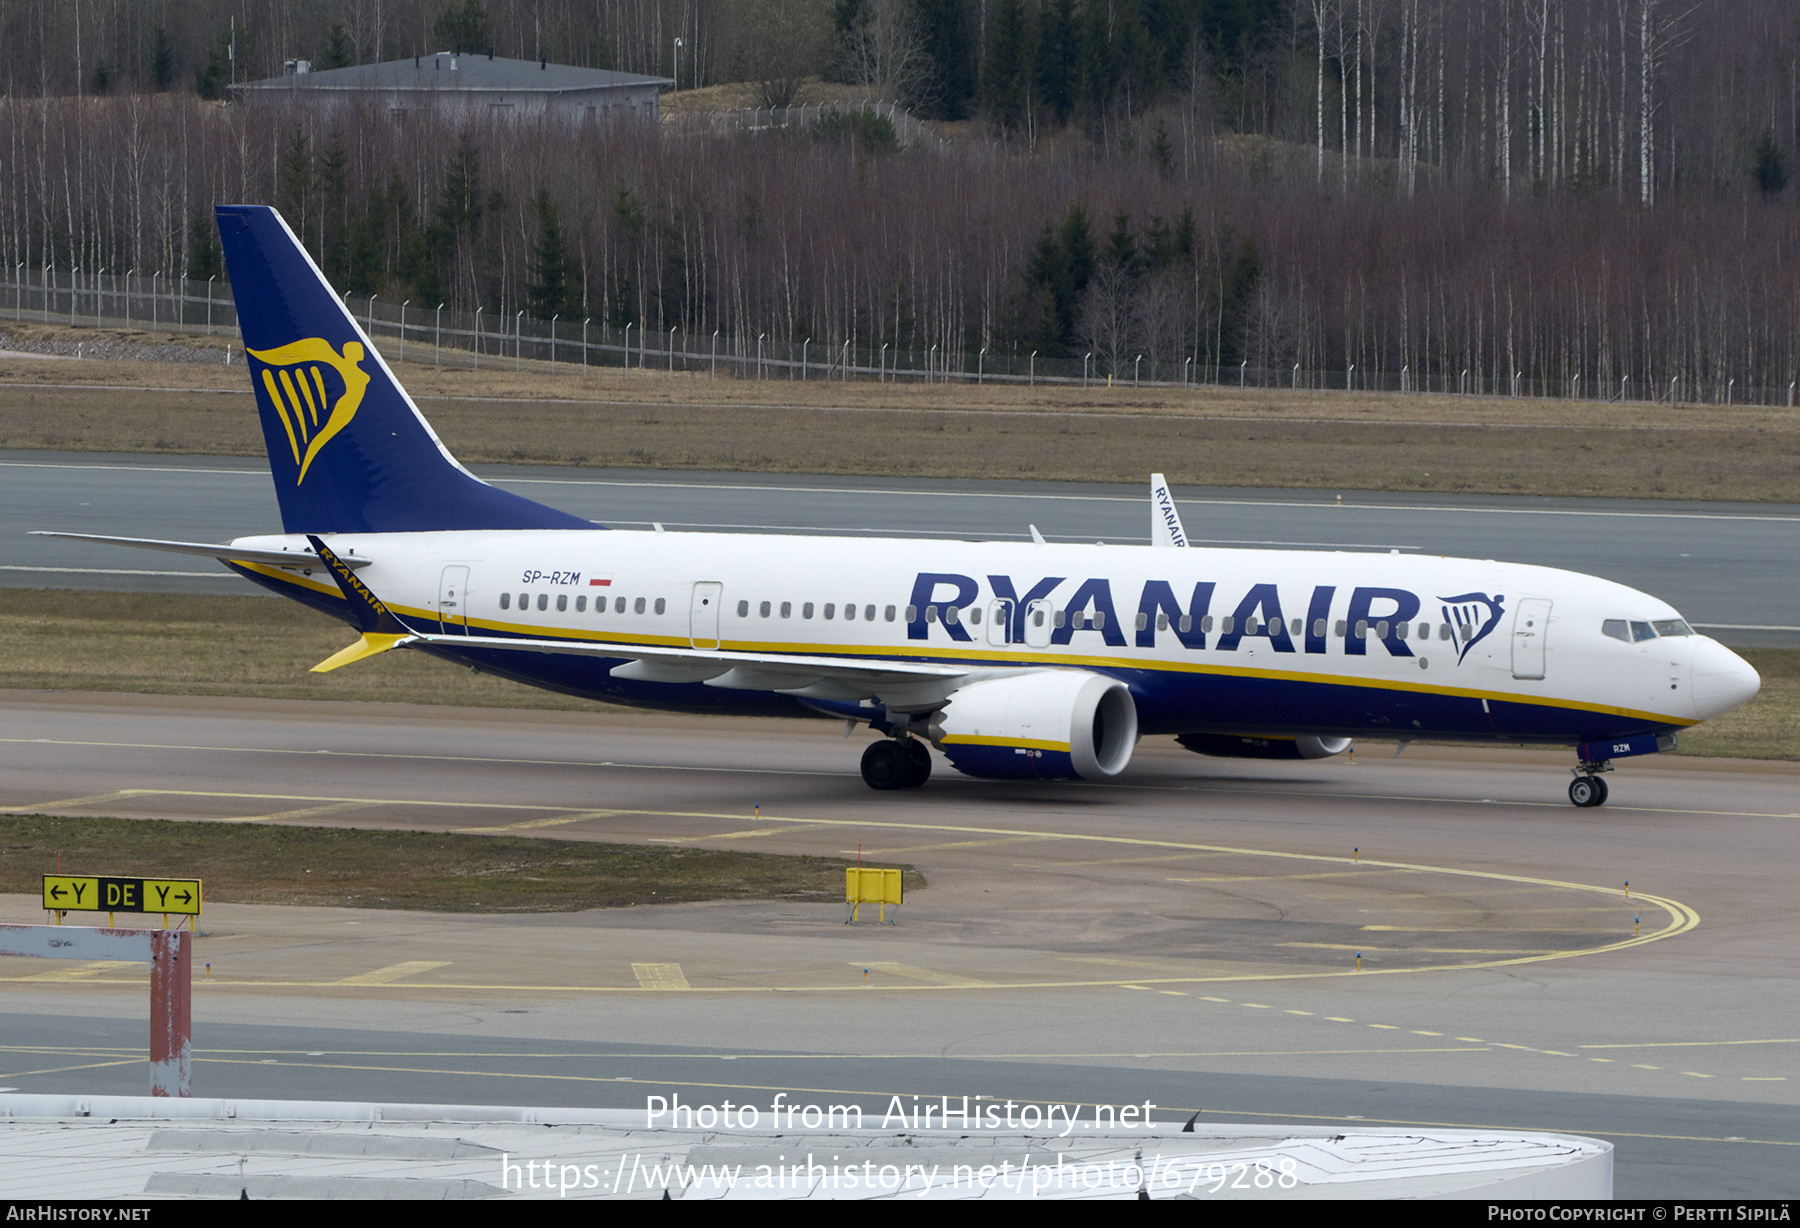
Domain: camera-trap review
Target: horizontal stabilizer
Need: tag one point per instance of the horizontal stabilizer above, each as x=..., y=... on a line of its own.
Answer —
x=224, y=553
x=370, y=644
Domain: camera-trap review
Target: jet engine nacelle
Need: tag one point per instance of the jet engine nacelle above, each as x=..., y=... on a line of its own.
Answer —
x=1065, y=724
x=1235, y=746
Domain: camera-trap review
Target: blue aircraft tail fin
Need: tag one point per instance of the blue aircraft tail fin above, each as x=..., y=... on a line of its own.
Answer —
x=349, y=450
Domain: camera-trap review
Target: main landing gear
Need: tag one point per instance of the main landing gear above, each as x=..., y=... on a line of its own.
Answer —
x=896, y=763
x=1589, y=787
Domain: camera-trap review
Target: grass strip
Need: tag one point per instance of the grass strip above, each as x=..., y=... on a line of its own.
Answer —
x=349, y=867
x=1202, y=436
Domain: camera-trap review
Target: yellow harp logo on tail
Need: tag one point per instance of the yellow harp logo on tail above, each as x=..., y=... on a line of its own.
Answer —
x=294, y=376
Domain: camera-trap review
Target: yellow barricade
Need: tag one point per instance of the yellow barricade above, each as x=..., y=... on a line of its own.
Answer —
x=866, y=886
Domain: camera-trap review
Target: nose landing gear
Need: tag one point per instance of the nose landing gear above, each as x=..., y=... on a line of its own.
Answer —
x=1589, y=787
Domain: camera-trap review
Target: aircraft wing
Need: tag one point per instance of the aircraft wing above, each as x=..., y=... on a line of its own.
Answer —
x=818, y=677
x=206, y=550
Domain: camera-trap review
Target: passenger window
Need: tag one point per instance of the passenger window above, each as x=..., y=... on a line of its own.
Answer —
x=806, y=610
x=1424, y=631
x=506, y=601
x=581, y=605
x=912, y=613
x=1099, y=619
x=830, y=609
x=787, y=609
x=1295, y=629
x=1206, y=624
x=637, y=607
x=1250, y=626
x=524, y=601
x=1381, y=630
x=1362, y=628
x=869, y=613
x=1226, y=623
x=1616, y=628
x=1401, y=630
x=1037, y=617
x=974, y=616
x=850, y=611
x=618, y=605
x=1062, y=618
x=543, y=601
x=763, y=609
x=1143, y=620
x=1186, y=623
x=930, y=613
x=1318, y=628
x=1641, y=632
x=1162, y=622
x=562, y=603
x=1339, y=631
x=743, y=609
x=661, y=605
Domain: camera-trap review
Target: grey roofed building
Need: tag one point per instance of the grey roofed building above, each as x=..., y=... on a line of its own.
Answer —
x=480, y=83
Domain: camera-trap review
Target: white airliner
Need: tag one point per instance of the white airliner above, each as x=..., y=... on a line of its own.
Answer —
x=1013, y=660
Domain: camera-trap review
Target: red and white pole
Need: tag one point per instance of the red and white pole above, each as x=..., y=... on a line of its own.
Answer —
x=171, y=1012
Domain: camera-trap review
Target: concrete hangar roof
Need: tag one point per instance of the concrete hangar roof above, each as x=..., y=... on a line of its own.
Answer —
x=467, y=80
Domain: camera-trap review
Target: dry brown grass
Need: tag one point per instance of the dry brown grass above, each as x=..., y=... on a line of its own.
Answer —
x=352, y=868
x=648, y=420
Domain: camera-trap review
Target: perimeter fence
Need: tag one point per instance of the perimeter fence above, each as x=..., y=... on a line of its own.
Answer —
x=442, y=336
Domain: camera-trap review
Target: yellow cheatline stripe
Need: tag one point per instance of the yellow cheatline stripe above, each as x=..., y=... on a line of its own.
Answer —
x=972, y=739
x=370, y=644
x=874, y=654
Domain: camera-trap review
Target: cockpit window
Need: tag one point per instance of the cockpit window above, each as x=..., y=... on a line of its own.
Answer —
x=1672, y=626
x=1641, y=632
x=1617, y=629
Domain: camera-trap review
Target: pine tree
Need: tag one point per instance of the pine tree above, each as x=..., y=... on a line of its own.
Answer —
x=204, y=257
x=294, y=182
x=1006, y=75
x=337, y=49
x=551, y=290
x=162, y=61
x=1770, y=167
x=465, y=27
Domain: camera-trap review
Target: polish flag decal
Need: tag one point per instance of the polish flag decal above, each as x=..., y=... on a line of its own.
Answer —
x=600, y=581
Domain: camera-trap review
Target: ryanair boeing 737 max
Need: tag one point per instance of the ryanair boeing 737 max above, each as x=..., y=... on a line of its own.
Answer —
x=1013, y=660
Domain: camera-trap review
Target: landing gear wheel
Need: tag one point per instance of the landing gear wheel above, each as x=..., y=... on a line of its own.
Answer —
x=920, y=761
x=887, y=765
x=1586, y=791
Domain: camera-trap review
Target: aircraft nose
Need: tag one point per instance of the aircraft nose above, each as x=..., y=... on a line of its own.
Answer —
x=1722, y=679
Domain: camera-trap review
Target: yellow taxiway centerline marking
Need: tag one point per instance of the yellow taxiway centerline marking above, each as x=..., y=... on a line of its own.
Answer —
x=924, y=974
x=1681, y=918
x=91, y=800
x=1692, y=1044
x=393, y=972
x=83, y=972
x=309, y=812
x=532, y=824
x=1208, y=787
